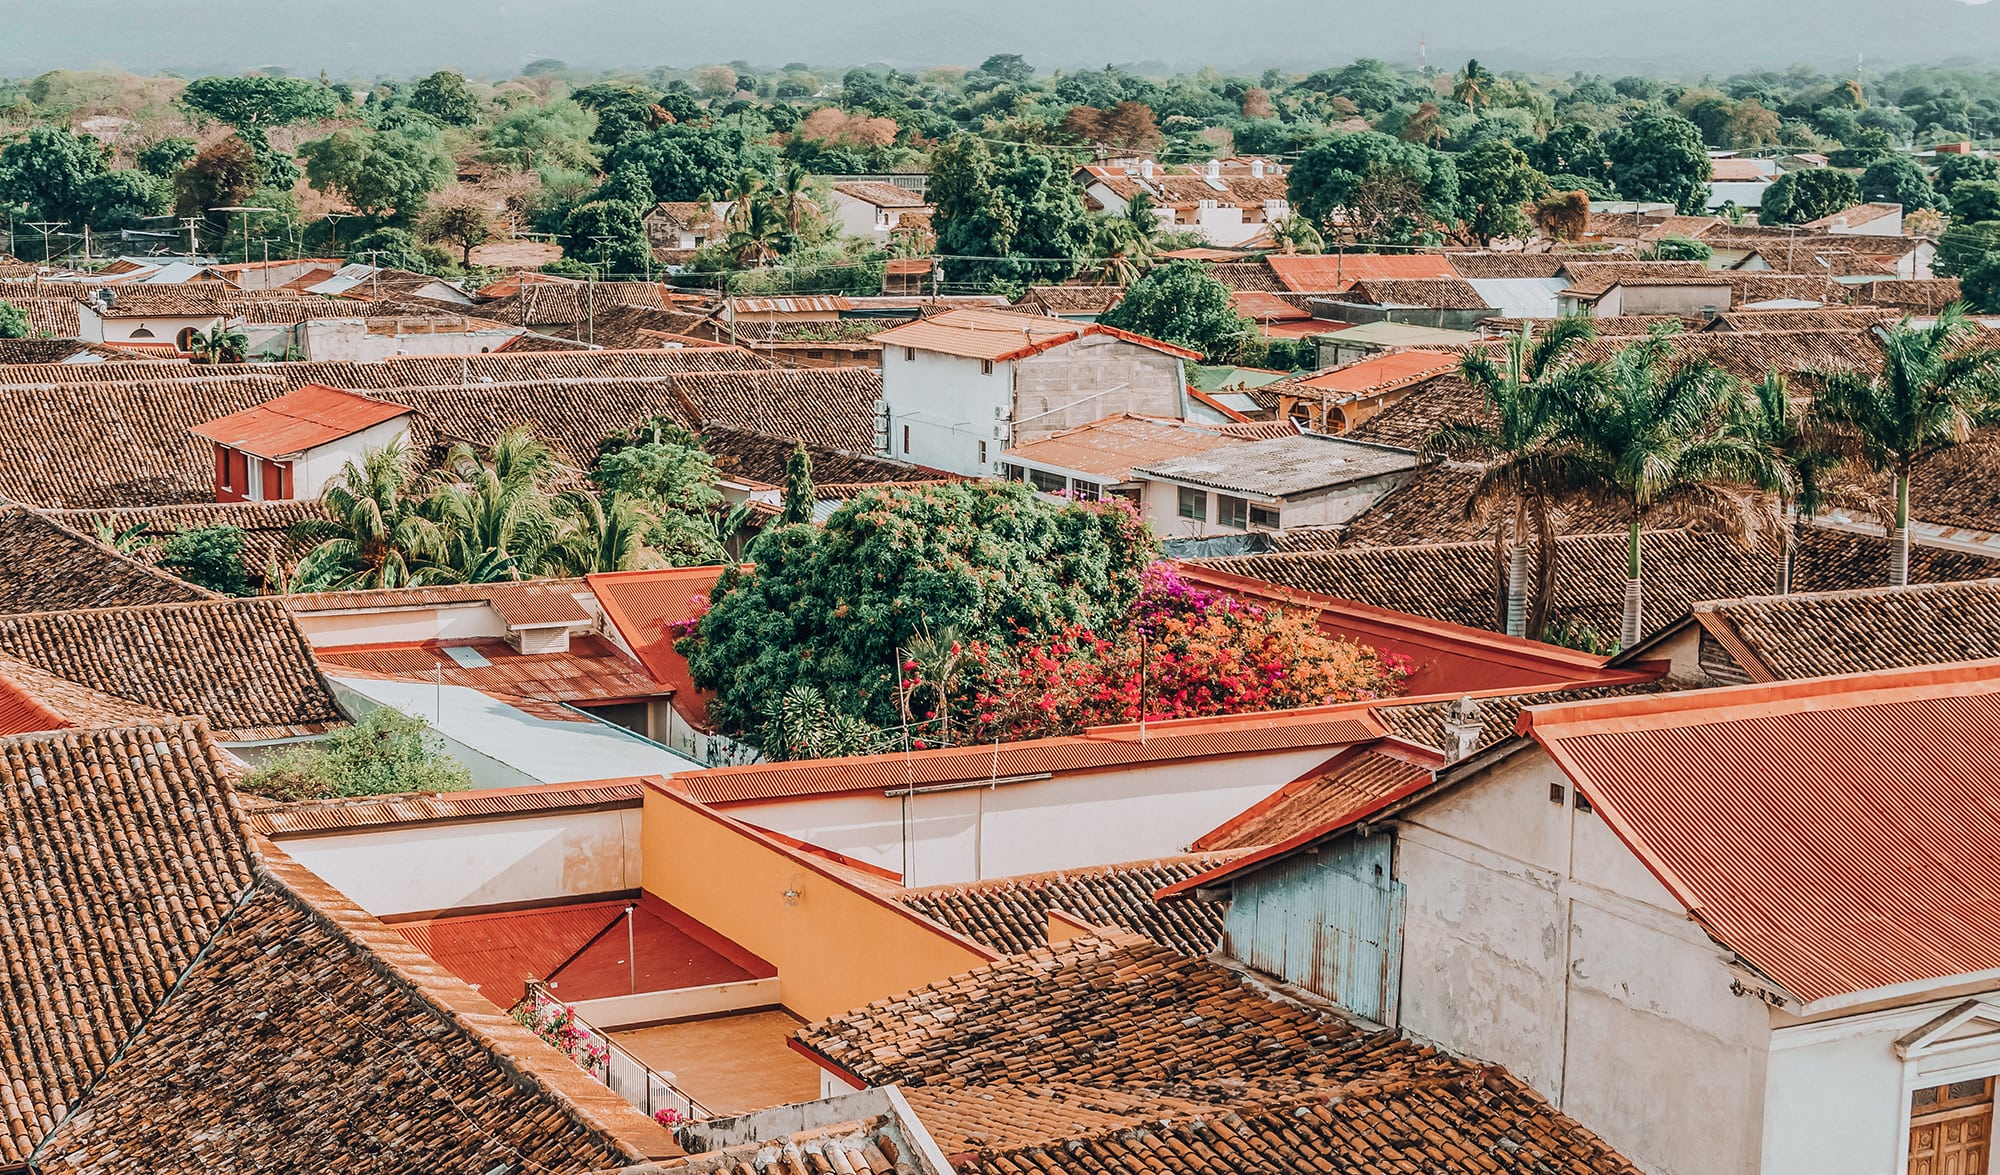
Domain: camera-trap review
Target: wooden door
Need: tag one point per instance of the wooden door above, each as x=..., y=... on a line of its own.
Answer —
x=1951, y=1128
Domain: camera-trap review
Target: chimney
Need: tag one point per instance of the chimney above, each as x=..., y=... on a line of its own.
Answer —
x=1462, y=726
x=1215, y=169
x=1146, y=170
x=1257, y=169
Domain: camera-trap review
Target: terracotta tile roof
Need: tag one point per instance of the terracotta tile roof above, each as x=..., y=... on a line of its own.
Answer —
x=1423, y=722
x=1071, y=299
x=1444, y=293
x=1099, y=748
x=1752, y=354
x=881, y=195
x=1925, y=295
x=1824, y=634
x=1266, y=307
x=829, y=407
x=645, y=606
x=1837, y=833
x=1455, y=582
x=1247, y=275
x=1355, y=781
x=1854, y=216
x=593, y=670
x=1505, y=265
x=47, y=567
x=687, y=214
x=300, y=420
x=1120, y=1055
x=271, y=818
x=1003, y=336
x=1322, y=273
x=1834, y=318
x=743, y=453
x=1011, y=914
x=59, y=317
x=1752, y=286
x=561, y=304
x=1377, y=374
x=1430, y=508
x=57, y=350
x=31, y=699
x=241, y=664
x=1590, y=280
x=382, y=1064
x=1959, y=487
x=1411, y=420
x=1111, y=447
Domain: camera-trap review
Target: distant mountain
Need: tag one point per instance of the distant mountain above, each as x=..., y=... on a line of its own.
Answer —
x=495, y=37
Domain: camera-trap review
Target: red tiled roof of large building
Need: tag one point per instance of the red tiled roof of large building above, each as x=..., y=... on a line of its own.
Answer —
x=1324, y=274
x=1114, y=1053
x=1001, y=336
x=300, y=420
x=1839, y=834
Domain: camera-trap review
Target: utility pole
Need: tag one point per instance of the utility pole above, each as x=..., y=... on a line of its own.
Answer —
x=246, y=210
x=48, y=229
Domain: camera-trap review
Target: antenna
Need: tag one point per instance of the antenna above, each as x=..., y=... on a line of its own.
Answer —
x=1423, y=51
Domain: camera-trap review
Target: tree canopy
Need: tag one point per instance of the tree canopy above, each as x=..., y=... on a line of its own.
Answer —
x=1180, y=303
x=245, y=102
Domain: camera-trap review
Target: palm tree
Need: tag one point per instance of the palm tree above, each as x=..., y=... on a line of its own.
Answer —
x=1124, y=244
x=1472, y=83
x=222, y=344
x=372, y=535
x=1657, y=433
x=1296, y=234
x=497, y=516
x=1778, y=424
x=1930, y=395
x=594, y=534
x=1522, y=450
x=756, y=226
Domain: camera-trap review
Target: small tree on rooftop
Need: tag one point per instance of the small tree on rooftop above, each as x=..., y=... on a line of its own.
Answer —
x=210, y=557
x=387, y=752
x=798, y=501
x=14, y=322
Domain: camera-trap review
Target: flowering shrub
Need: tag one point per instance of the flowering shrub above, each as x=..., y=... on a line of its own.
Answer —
x=667, y=1116
x=558, y=1025
x=1182, y=651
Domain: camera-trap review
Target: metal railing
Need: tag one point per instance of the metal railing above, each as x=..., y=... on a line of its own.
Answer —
x=596, y=1053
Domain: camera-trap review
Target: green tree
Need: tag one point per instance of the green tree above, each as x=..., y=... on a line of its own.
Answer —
x=1572, y=149
x=671, y=485
x=1973, y=201
x=14, y=322
x=386, y=753
x=1473, y=82
x=798, y=499
x=333, y=162
x=462, y=222
x=1522, y=448
x=1779, y=424
x=1808, y=194
x=48, y=174
x=1339, y=180
x=1496, y=182
x=610, y=234
x=372, y=534
x=1660, y=156
x=1182, y=303
x=221, y=344
x=554, y=134
x=1008, y=67
x=260, y=101
x=210, y=557
x=390, y=248
x=1657, y=433
x=1953, y=170
x=830, y=607
x=688, y=161
x=122, y=198
x=1679, y=249
x=496, y=513
x=397, y=174
x=623, y=112
x=1932, y=392
x=221, y=176
x=167, y=156
x=1012, y=205
x=1898, y=180
x=445, y=97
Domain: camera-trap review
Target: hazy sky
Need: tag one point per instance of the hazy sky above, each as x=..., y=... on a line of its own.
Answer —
x=496, y=37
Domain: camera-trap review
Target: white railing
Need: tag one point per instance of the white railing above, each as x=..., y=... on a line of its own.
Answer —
x=596, y=1053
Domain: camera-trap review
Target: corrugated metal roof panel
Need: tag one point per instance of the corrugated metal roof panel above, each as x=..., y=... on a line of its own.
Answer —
x=297, y=421
x=1842, y=834
x=350, y=815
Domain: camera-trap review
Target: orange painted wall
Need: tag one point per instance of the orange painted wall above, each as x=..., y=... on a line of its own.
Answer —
x=836, y=947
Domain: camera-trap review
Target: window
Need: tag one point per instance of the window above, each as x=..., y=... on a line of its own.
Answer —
x=906, y=440
x=909, y=353
x=1231, y=511
x=986, y=367
x=982, y=452
x=1012, y=472
x=1089, y=491
x=1264, y=517
x=1042, y=479
x=183, y=341
x=1129, y=493
x=1194, y=504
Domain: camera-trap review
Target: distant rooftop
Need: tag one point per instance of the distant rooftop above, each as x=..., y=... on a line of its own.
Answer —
x=1286, y=466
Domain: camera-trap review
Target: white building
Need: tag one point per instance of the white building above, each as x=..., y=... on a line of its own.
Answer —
x=293, y=446
x=871, y=209
x=1229, y=202
x=959, y=387
x=1304, y=480
x=1735, y=930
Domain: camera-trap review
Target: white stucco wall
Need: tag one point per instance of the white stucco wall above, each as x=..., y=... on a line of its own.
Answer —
x=317, y=468
x=1535, y=940
x=478, y=863
x=1062, y=823
x=947, y=405
x=1160, y=506
x=1092, y=378
x=472, y=621
x=350, y=338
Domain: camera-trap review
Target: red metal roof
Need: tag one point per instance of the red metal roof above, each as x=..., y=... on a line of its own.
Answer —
x=1332, y=273
x=581, y=950
x=1097, y=749
x=593, y=670
x=1443, y=657
x=1392, y=369
x=1842, y=835
x=300, y=420
x=1004, y=335
x=645, y=606
x=1266, y=307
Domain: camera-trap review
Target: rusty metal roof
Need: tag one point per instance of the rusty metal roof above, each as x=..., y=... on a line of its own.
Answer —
x=1841, y=835
x=298, y=421
x=593, y=669
x=1100, y=748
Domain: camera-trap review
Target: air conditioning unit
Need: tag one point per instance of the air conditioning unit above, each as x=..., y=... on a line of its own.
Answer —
x=999, y=432
x=999, y=411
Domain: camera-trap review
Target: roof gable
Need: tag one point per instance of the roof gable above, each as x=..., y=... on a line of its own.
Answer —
x=300, y=421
